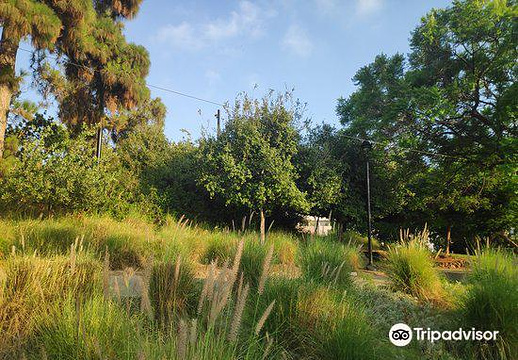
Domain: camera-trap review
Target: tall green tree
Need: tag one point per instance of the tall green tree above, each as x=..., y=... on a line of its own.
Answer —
x=320, y=170
x=455, y=95
x=89, y=36
x=251, y=163
x=20, y=19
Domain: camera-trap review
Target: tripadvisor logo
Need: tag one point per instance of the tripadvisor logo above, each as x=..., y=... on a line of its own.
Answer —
x=401, y=334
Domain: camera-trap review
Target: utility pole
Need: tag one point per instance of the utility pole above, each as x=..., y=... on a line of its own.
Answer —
x=99, y=142
x=218, y=117
x=367, y=146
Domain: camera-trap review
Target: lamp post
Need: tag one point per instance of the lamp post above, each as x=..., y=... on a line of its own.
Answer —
x=367, y=146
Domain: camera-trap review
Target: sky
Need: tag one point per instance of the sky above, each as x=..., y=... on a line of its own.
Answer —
x=217, y=49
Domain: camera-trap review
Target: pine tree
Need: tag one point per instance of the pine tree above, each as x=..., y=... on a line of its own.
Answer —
x=89, y=37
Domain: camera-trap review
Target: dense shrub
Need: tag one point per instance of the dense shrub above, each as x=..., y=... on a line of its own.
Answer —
x=57, y=174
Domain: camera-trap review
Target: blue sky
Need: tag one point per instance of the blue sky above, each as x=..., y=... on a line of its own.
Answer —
x=215, y=49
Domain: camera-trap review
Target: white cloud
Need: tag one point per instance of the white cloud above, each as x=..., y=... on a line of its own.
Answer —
x=247, y=20
x=366, y=7
x=327, y=7
x=297, y=41
x=182, y=36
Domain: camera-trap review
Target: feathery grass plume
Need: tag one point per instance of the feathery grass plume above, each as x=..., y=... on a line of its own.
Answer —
x=182, y=340
x=266, y=269
x=237, y=258
x=238, y=313
x=411, y=268
x=145, y=302
x=269, y=343
x=208, y=286
x=240, y=285
x=116, y=289
x=193, y=332
x=263, y=318
x=97, y=348
x=177, y=271
x=73, y=257
x=106, y=274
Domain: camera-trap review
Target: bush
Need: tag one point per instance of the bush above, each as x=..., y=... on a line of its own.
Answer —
x=411, y=270
x=328, y=262
x=491, y=303
x=56, y=174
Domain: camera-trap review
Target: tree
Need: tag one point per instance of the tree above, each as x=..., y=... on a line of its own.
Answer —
x=56, y=174
x=320, y=170
x=251, y=163
x=454, y=96
x=20, y=19
x=89, y=35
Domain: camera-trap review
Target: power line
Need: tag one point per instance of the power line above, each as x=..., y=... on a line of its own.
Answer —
x=404, y=148
x=176, y=92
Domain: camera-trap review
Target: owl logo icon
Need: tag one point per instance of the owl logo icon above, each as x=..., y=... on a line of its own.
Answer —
x=400, y=334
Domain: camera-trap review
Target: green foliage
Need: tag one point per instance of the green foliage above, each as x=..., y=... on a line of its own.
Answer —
x=252, y=261
x=250, y=163
x=320, y=169
x=128, y=242
x=491, y=303
x=313, y=321
x=329, y=262
x=451, y=96
x=95, y=328
x=219, y=249
x=55, y=174
x=30, y=284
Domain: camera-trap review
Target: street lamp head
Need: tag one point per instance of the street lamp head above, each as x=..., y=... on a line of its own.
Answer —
x=366, y=145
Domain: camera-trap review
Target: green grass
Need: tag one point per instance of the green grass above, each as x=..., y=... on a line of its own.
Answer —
x=411, y=270
x=314, y=321
x=54, y=302
x=34, y=284
x=491, y=303
x=173, y=290
x=329, y=262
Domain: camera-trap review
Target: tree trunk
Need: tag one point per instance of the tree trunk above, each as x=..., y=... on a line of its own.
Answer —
x=8, y=49
x=263, y=227
x=315, y=231
x=340, y=230
x=448, y=240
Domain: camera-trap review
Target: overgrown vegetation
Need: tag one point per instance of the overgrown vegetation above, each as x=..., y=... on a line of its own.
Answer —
x=151, y=249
